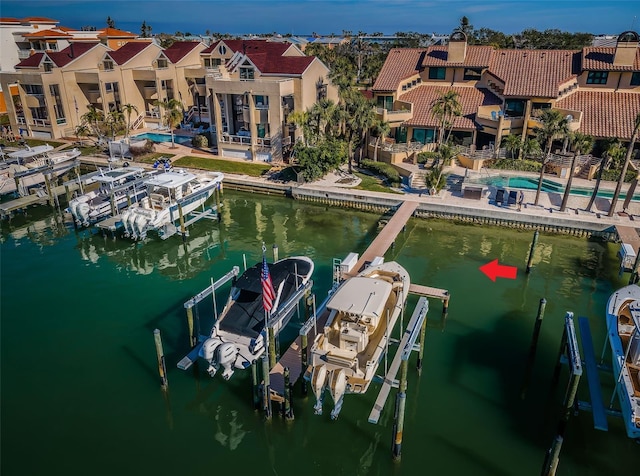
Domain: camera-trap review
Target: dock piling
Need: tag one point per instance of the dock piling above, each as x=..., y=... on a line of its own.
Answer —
x=255, y=386
x=193, y=337
x=423, y=333
x=304, y=359
x=553, y=457
x=399, y=416
x=534, y=242
x=266, y=389
x=275, y=253
x=533, y=347
x=288, y=408
x=272, y=348
x=218, y=193
x=183, y=230
x=162, y=368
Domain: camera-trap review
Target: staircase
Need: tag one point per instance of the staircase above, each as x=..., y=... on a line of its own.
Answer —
x=136, y=124
x=417, y=179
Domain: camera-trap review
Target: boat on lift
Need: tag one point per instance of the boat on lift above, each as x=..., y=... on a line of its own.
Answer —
x=239, y=335
x=169, y=195
x=117, y=188
x=623, y=328
x=362, y=313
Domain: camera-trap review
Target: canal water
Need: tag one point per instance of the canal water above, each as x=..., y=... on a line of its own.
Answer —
x=81, y=394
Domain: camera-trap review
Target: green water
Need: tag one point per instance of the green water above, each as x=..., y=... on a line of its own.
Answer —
x=80, y=391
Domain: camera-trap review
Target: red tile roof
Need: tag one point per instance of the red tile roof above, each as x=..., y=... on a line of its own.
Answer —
x=601, y=59
x=605, y=113
x=47, y=34
x=70, y=53
x=128, y=51
x=115, y=33
x=276, y=64
x=32, y=61
x=39, y=20
x=180, y=49
x=9, y=20
x=400, y=64
x=470, y=98
x=252, y=46
x=533, y=73
x=476, y=56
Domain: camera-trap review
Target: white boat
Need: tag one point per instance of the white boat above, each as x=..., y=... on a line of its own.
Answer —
x=238, y=336
x=623, y=327
x=23, y=169
x=362, y=314
x=117, y=189
x=169, y=194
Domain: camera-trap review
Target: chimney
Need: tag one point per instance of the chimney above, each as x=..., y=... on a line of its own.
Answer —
x=457, y=48
x=626, y=48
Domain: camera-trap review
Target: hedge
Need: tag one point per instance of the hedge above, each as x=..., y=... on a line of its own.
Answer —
x=382, y=168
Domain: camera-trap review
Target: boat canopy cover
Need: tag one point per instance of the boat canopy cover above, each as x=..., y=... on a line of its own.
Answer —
x=31, y=151
x=362, y=296
x=116, y=175
x=171, y=179
x=246, y=315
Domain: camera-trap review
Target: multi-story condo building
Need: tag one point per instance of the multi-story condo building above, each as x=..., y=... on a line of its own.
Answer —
x=503, y=91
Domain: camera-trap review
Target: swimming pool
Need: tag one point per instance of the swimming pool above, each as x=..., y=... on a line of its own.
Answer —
x=156, y=137
x=531, y=183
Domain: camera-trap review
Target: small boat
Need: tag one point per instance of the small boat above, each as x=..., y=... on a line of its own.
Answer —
x=623, y=328
x=117, y=189
x=238, y=336
x=362, y=314
x=169, y=195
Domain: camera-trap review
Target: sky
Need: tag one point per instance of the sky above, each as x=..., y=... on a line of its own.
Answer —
x=302, y=17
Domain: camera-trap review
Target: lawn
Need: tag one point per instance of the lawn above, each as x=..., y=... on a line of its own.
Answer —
x=31, y=143
x=373, y=184
x=228, y=166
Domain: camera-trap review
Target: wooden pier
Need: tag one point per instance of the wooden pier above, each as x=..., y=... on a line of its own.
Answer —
x=628, y=235
x=35, y=198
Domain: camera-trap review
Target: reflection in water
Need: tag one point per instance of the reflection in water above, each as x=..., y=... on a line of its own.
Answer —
x=42, y=227
x=170, y=257
x=229, y=431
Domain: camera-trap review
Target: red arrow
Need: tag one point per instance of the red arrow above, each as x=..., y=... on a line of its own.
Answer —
x=494, y=270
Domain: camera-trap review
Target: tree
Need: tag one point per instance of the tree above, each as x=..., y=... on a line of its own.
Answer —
x=361, y=115
x=110, y=23
x=172, y=115
x=513, y=143
x=128, y=109
x=445, y=108
x=381, y=129
x=582, y=144
x=94, y=117
x=301, y=119
x=145, y=30
x=554, y=125
x=114, y=120
x=465, y=26
x=81, y=131
x=627, y=159
x=317, y=161
x=610, y=154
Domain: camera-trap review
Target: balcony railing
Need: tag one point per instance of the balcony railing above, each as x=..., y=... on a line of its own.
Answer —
x=246, y=140
x=40, y=123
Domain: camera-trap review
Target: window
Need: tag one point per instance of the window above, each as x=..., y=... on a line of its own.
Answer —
x=107, y=64
x=385, y=102
x=163, y=63
x=261, y=102
x=597, y=77
x=212, y=62
x=635, y=78
x=54, y=90
x=514, y=107
x=246, y=73
x=424, y=136
x=48, y=66
x=472, y=74
x=33, y=89
x=222, y=49
x=437, y=73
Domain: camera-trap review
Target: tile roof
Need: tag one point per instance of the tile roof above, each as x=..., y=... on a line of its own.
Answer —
x=601, y=59
x=470, y=98
x=400, y=64
x=255, y=46
x=180, y=49
x=70, y=53
x=276, y=64
x=39, y=20
x=605, y=113
x=47, y=34
x=32, y=61
x=115, y=33
x=476, y=56
x=9, y=20
x=128, y=51
x=533, y=73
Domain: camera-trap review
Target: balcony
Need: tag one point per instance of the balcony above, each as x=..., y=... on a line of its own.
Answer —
x=574, y=118
x=490, y=117
x=402, y=112
x=264, y=142
x=93, y=96
x=150, y=93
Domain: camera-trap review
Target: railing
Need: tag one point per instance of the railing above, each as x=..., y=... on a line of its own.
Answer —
x=246, y=140
x=138, y=121
x=40, y=122
x=152, y=114
x=21, y=120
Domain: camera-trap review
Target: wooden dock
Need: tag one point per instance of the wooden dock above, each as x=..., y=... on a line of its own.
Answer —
x=628, y=235
x=387, y=236
x=35, y=198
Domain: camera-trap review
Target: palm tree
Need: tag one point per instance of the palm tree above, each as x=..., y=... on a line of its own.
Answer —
x=361, y=115
x=627, y=159
x=81, y=130
x=93, y=118
x=613, y=152
x=582, y=143
x=531, y=148
x=554, y=126
x=172, y=115
x=381, y=129
x=113, y=121
x=301, y=119
x=445, y=108
x=513, y=143
x=128, y=109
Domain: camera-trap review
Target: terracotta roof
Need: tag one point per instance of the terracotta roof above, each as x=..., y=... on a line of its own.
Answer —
x=470, y=98
x=601, y=59
x=367, y=93
x=65, y=28
x=252, y=46
x=400, y=64
x=476, y=56
x=32, y=61
x=276, y=64
x=70, y=53
x=47, y=34
x=605, y=113
x=39, y=20
x=115, y=33
x=128, y=51
x=9, y=20
x=180, y=49
x=531, y=73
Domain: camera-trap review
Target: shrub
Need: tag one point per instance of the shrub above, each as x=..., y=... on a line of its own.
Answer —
x=424, y=157
x=514, y=164
x=384, y=169
x=614, y=175
x=200, y=141
x=138, y=149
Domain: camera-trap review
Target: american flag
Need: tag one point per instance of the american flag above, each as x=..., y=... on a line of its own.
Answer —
x=268, y=293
